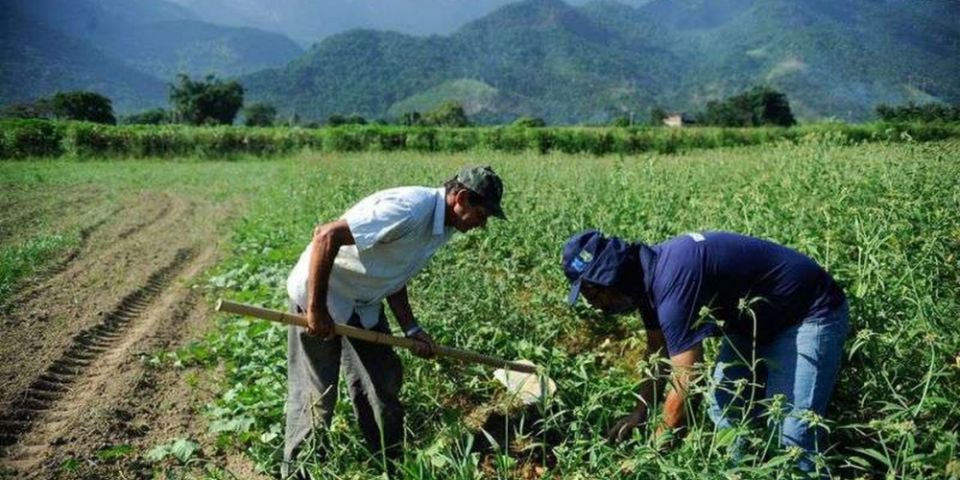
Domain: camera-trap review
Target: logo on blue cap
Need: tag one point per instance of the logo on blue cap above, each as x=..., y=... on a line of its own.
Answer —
x=591, y=257
x=579, y=263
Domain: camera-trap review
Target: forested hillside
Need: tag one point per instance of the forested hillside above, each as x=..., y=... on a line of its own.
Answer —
x=605, y=59
x=126, y=50
x=37, y=61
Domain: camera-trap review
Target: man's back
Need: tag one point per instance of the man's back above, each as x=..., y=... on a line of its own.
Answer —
x=749, y=284
x=396, y=231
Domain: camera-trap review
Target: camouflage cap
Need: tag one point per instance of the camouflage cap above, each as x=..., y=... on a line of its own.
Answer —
x=484, y=182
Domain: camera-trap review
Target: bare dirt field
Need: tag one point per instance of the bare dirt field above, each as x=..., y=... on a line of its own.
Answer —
x=77, y=393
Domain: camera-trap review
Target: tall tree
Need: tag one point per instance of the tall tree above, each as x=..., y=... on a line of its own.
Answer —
x=447, y=114
x=756, y=107
x=410, y=119
x=82, y=106
x=156, y=116
x=205, y=102
x=260, y=115
x=657, y=116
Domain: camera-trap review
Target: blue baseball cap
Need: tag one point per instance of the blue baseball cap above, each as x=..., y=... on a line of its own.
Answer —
x=590, y=256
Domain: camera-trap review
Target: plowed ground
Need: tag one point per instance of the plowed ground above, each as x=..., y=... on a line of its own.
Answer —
x=76, y=338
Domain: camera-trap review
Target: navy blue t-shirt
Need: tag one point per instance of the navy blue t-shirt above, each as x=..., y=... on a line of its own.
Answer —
x=725, y=271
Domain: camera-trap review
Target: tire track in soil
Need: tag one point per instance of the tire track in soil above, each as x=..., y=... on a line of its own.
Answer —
x=40, y=321
x=71, y=353
x=20, y=446
x=140, y=226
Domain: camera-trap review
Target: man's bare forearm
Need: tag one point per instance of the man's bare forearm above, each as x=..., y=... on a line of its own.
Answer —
x=399, y=303
x=321, y=263
x=674, y=411
x=675, y=406
x=651, y=388
x=327, y=240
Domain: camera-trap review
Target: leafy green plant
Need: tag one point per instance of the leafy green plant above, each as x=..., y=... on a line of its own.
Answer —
x=180, y=449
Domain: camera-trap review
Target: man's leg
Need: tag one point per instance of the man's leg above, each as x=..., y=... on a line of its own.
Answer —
x=737, y=378
x=313, y=367
x=804, y=363
x=735, y=381
x=375, y=375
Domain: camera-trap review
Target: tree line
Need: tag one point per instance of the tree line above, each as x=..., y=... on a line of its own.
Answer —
x=39, y=138
x=927, y=113
x=208, y=101
x=212, y=101
x=758, y=107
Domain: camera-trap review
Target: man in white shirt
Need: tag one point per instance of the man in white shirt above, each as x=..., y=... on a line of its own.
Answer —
x=343, y=276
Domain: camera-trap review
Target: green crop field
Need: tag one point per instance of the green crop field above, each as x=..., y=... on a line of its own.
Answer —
x=881, y=217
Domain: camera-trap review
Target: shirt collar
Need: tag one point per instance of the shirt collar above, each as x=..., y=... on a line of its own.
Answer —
x=439, y=212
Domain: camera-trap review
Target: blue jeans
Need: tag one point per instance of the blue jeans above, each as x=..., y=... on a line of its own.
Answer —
x=801, y=364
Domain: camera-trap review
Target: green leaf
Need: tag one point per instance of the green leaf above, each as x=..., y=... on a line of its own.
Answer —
x=112, y=453
x=69, y=465
x=873, y=454
x=726, y=437
x=183, y=449
x=158, y=453
x=240, y=424
x=777, y=461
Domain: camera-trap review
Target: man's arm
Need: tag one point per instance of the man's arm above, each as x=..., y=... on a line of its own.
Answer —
x=674, y=408
x=399, y=304
x=327, y=240
x=650, y=389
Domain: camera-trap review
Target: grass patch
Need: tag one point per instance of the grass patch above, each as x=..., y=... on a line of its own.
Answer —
x=18, y=262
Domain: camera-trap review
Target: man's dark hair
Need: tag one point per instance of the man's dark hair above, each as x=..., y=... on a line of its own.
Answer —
x=454, y=186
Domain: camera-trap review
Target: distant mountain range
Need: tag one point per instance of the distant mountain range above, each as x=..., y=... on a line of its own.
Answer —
x=581, y=63
x=603, y=59
x=126, y=49
x=38, y=61
x=309, y=21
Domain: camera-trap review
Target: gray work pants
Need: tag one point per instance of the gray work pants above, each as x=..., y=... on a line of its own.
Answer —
x=374, y=374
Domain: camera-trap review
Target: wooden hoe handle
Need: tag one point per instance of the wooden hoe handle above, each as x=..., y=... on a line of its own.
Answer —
x=371, y=336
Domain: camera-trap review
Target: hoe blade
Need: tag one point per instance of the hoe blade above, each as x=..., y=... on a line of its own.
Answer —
x=528, y=388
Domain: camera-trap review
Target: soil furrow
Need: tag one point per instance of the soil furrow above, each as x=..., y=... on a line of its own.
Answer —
x=42, y=395
x=36, y=289
x=19, y=418
x=77, y=341
x=30, y=292
x=136, y=228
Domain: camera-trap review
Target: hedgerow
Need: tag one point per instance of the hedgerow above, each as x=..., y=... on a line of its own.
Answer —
x=40, y=138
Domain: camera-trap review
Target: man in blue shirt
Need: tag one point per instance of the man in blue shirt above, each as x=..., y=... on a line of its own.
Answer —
x=783, y=320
